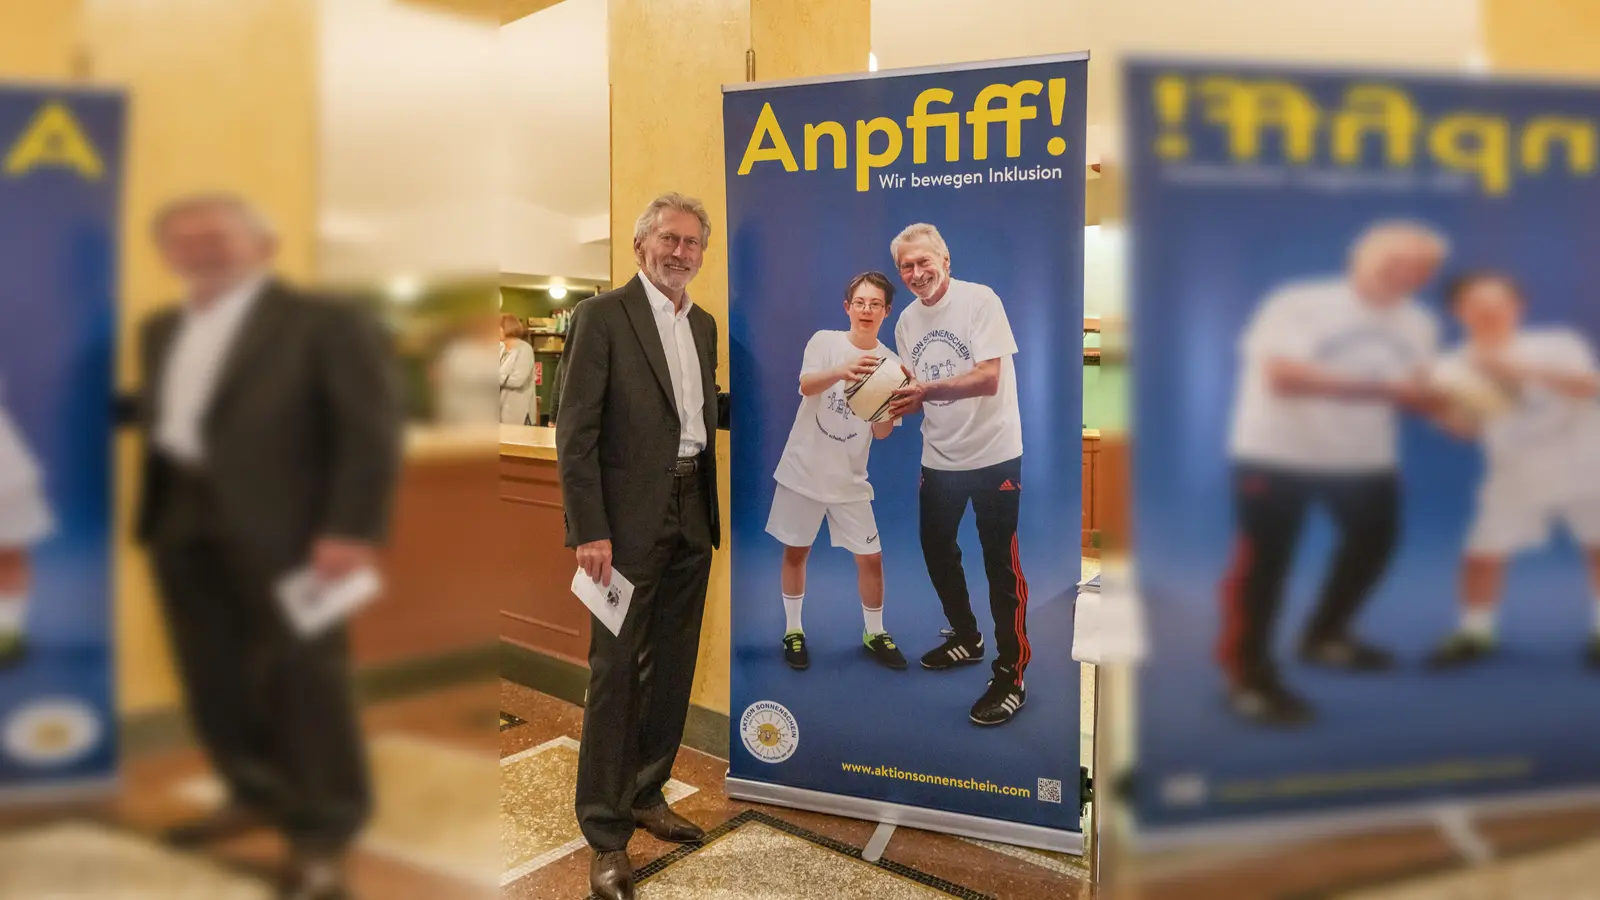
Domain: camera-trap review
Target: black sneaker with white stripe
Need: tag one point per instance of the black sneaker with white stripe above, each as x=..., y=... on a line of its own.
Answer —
x=954, y=652
x=999, y=703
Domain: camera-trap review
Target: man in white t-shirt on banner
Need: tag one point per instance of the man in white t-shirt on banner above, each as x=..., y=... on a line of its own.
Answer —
x=1325, y=368
x=823, y=472
x=25, y=520
x=957, y=345
x=1541, y=444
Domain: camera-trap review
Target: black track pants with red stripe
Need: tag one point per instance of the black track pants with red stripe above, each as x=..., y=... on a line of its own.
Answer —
x=995, y=493
x=1270, y=506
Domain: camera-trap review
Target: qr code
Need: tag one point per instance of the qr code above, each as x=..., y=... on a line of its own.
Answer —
x=1049, y=790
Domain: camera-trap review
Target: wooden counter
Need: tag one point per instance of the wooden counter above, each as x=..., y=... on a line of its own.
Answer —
x=528, y=442
x=537, y=609
x=445, y=562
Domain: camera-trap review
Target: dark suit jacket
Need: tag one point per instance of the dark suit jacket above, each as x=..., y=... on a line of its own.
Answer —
x=303, y=432
x=617, y=439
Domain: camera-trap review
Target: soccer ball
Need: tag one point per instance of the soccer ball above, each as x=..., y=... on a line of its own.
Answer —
x=869, y=398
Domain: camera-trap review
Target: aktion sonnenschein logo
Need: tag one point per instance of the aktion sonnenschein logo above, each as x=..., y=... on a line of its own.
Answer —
x=769, y=731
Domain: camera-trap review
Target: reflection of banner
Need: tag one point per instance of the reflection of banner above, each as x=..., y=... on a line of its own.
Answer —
x=60, y=166
x=821, y=178
x=1291, y=486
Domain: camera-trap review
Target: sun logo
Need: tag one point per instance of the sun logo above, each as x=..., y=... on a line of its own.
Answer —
x=769, y=732
x=52, y=731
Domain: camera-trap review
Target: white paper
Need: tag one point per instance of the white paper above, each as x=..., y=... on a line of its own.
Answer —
x=314, y=605
x=609, y=605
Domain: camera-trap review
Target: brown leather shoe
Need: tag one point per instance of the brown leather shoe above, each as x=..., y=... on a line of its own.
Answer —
x=611, y=875
x=666, y=825
x=231, y=821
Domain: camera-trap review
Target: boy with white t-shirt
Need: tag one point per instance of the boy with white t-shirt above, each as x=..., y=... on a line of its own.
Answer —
x=957, y=343
x=1541, y=454
x=823, y=471
x=25, y=520
x=1325, y=367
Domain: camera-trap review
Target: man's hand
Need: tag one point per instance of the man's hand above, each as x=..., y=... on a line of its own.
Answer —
x=14, y=570
x=858, y=369
x=335, y=557
x=908, y=400
x=595, y=560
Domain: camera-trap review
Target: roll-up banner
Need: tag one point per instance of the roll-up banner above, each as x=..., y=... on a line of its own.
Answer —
x=1367, y=444
x=906, y=320
x=60, y=171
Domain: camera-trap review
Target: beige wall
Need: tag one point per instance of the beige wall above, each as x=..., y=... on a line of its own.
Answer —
x=39, y=40
x=1550, y=37
x=222, y=95
x=669, y=59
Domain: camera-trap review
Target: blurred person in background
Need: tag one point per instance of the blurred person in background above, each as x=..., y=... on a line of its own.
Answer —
x=25, y=520
x=1326, y=365
x=272, y=424
x=637, y=455
x=516, y=372
x=466, y=377
x=1541, y=452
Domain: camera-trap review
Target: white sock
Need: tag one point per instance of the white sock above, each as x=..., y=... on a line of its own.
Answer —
x=874, y=619
x=13, y=607
x=1478, y=621
x=791, y=611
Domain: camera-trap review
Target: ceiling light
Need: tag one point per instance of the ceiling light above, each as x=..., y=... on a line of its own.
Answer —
x=405, y=288
x=558, y=292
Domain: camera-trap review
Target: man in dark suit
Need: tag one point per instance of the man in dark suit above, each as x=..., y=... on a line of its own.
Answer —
x=636, y=448
x=272, y=441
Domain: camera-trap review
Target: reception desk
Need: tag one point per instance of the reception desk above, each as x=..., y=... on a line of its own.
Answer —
x=538, y=611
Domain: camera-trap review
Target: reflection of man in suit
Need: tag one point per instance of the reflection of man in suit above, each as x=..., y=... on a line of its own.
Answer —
x=637, y=454
x=273, y=424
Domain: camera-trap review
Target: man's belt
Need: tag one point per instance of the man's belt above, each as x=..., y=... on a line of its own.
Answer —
x=686, y=466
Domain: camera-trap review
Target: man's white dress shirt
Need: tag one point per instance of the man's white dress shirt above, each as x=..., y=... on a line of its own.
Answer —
x=206, y=336
x=683, y=365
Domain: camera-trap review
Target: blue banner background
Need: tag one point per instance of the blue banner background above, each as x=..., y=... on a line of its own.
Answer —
x=1203, y=258
x=795, y=241
x=58, y=233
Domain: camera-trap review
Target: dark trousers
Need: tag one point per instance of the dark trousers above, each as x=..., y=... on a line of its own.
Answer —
x=995, y=493
x=1270, y=506
x=640, y=680
x=275, y=713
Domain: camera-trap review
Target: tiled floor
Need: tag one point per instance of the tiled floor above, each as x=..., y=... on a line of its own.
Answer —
x=433, y=835
x=757, y=859
x=1547, y=857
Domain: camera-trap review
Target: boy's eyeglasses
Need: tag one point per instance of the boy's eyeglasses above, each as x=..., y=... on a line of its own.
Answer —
x=866, y=306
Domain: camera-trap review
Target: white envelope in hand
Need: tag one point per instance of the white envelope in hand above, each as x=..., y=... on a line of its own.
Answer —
x=314, y=605
x=609, y=604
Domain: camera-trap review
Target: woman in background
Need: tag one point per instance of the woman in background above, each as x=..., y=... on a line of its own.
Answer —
x=464, y=375
x=516, y=372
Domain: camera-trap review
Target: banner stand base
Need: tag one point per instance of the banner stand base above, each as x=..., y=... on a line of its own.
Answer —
x=895, y=814
x=879, y=842
x=63, y=793
x=1457, y=827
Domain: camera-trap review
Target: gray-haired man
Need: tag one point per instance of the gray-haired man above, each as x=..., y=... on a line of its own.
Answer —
x=957, y=344
x=637, y=455
x=272, y=442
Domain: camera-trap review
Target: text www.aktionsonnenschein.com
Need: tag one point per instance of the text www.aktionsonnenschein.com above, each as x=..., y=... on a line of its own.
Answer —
x=965, y=784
